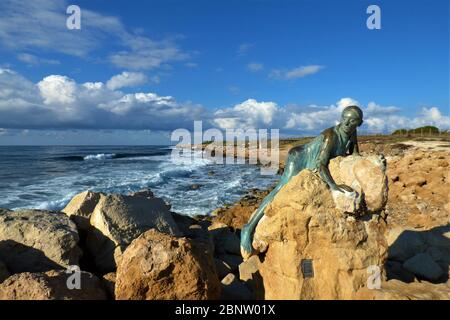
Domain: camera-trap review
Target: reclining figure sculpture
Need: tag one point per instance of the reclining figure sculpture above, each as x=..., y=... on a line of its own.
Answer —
x=339, y=140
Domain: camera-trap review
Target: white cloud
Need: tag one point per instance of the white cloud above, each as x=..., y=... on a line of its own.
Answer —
x=126, y=79
x=295, y=73
x=56, y=89
x=34, y=60
x=255, y=66
x=41, y=24
x=374, y=108
x=60, y=102
x=248, y=114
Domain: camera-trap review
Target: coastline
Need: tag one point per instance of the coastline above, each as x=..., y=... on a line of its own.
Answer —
x=115, y=239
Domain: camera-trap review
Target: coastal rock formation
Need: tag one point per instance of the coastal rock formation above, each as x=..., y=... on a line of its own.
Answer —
x=397, y=290
x=36, y=241
x=160, y=266
x=366, y=175
x=418, y=189
x=51, y=285
x=118, y=219
x=302, y=223
x=80, y=208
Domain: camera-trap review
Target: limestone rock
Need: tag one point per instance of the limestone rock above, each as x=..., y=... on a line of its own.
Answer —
x=157, y=266
x=80, y=208
x=249, y=274
x=303, y=223
x=347, y=201
x=146, y=193
x=4, y=273
x=109, y=282
x=36, y=241
x=397, y=290
x=51, y=285
x=423, y=265
x=117, y=220
x=233, y=289
x=366, y=175
x=248, y=268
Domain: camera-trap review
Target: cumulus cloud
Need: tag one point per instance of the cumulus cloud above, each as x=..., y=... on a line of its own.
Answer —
x=248, y=114
x=41, y=24
x=56, y=89
x=60, y=102
x=295, y=73
x=311, y=119
x=126, y=79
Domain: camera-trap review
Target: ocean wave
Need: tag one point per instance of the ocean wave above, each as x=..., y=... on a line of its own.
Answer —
x=109, y=156
x=100, y=156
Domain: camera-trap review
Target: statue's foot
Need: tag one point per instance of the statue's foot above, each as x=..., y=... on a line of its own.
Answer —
x=246, y=243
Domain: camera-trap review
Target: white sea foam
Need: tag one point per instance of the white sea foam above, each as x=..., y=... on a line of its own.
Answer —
x=100, y=156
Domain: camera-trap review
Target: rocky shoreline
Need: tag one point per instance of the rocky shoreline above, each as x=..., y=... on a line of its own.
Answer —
x=134, y=247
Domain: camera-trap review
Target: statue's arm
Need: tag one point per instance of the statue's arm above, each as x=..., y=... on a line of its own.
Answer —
x=323, y=161
x=354, y=149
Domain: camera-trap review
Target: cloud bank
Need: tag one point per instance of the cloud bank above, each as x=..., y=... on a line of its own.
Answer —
x=59, y=102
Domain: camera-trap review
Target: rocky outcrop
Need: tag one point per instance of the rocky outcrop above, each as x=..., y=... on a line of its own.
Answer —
x=160, y=266
x=51, y=285
x=80, y=208
x=36, y=241
x=117, y=220
x=418, y=189
x=366, y=175
x=303, y=225
x=397, y=290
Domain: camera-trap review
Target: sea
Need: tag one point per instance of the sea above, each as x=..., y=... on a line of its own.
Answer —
x=47, y=177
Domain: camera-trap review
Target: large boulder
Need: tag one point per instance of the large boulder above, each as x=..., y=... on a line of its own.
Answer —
x=314, y=250
x=80, y=208
x=35, y=241
x=366, y=175
x=118, y=219
x=162, y=267
x=51, y=285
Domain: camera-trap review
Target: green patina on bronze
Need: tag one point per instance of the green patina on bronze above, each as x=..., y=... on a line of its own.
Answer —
x=339, y=140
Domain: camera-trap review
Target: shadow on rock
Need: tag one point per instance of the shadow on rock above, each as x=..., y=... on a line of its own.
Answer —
x=22, y=258
x=422, y=255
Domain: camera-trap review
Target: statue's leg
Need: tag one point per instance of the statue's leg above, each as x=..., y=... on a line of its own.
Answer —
x=248, y=229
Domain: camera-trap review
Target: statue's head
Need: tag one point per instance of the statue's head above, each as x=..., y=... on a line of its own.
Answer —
x=351, y=118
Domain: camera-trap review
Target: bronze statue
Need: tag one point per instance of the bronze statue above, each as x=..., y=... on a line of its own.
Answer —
x=339, y=140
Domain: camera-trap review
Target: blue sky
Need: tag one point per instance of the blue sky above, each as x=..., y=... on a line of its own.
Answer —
x=138, y=69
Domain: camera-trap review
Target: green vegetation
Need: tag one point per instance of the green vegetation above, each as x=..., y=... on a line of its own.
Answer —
x=426, y=130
